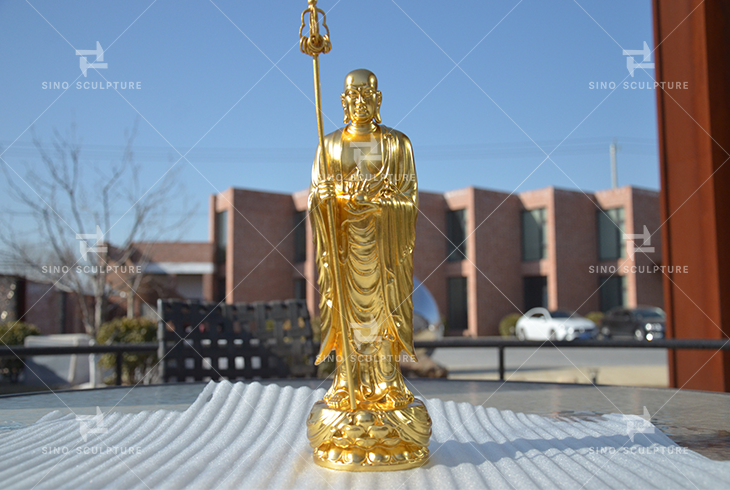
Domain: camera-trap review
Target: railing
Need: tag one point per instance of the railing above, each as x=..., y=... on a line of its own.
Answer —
x=22, y=352
x=502, y=344
x=453, y=342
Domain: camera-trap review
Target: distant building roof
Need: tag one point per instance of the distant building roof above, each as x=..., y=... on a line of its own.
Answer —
x=177, y=252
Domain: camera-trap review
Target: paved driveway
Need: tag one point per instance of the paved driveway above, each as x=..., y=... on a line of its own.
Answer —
x=644, y=367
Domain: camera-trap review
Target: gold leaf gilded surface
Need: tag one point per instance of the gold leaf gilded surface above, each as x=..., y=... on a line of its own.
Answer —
x=363, y=207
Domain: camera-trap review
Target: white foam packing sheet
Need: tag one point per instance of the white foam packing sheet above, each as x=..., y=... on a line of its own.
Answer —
x=247, y=435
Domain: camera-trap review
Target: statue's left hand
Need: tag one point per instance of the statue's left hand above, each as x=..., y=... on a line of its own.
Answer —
x=360, y=204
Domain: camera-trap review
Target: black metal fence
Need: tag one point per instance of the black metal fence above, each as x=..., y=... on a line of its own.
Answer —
x=456, y=342
x=201, y=340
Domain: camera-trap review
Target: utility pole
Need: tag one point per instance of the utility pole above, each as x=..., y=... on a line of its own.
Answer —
x=614, y=170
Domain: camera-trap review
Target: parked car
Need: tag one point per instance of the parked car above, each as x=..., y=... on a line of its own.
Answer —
x=642, y=323
x=541, y=324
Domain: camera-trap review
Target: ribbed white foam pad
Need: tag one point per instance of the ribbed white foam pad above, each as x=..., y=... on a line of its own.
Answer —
x=253, y=436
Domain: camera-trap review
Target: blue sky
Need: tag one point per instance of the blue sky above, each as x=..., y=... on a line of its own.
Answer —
x=208, y=81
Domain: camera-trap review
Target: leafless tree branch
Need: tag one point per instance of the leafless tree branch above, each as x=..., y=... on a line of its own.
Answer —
x=64, y=199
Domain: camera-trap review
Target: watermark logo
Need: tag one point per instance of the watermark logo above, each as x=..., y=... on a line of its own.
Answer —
x=373, y=153
x=96, y=248
x=653, y=449
x=91, y=424
x=638, y=269
x=645, y=64
x=639, y=424
x=645, y=247
x=365, y=333
x=84, y=63
x=97, y=63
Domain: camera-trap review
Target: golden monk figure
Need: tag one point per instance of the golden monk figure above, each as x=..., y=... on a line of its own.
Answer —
x=364, y=186
x=377, y=206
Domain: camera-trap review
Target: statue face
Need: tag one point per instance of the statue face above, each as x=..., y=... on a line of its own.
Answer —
x=361, y=98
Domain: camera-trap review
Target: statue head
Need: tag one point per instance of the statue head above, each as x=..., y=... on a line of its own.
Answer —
x=361, y=98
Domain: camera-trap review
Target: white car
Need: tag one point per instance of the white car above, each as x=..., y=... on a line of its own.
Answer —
x=541, y=324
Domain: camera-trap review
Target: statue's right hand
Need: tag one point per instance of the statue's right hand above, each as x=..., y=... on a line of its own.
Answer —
x=326, y=189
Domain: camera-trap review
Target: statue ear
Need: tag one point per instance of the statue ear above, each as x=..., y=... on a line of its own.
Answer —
x=379, y=100
x=344, y=108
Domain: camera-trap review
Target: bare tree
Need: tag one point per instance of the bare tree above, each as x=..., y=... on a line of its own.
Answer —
x=71, y=202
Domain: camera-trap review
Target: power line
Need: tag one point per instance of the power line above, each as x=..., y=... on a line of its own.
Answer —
x=471, y=151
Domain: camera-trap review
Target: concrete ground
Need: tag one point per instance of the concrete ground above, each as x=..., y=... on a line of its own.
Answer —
x=628, y=367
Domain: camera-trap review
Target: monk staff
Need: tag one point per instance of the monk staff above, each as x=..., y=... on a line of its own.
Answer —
x=313, y=45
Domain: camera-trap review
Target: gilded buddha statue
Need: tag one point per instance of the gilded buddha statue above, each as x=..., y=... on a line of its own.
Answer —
x=364, y=186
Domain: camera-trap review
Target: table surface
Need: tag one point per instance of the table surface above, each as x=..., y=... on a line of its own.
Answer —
x=693, y=419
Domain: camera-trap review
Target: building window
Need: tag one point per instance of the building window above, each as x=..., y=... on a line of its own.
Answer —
x=611, y=243
x=300, y=236
x=613, y=292
x=534, y=234
x=456, y=235
x=220, y=291
x=221, y=236
x=458, y=315
x=300, y=288
x=536, y=292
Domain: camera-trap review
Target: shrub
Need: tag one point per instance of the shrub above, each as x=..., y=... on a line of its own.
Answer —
x=316, y=324
x=596, y=317
x=507, y=325
x=14, y=333
x=128, y=331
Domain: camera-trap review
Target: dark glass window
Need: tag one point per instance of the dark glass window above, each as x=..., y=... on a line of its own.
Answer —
x=611, y=243
x=220, y=293
x=458, y=315
x=300, y=288
x=613, y=292
x=534, y=234
x=221, y=236
x=535, y=288
x=300, y=236
x=456, y=235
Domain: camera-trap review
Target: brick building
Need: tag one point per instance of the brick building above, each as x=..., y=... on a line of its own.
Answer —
x=45, y=305
x=481, y=253
x=171, y=270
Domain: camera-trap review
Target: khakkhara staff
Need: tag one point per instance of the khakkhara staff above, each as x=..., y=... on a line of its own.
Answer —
x=314, y=45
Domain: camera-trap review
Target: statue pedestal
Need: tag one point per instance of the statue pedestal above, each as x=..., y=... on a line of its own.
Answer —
x=369, y=440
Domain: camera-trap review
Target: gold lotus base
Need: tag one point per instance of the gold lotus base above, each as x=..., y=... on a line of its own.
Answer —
x=366, y=463
x=369, y=440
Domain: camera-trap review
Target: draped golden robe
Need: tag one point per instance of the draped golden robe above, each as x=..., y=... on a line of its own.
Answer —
x=375, y=252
